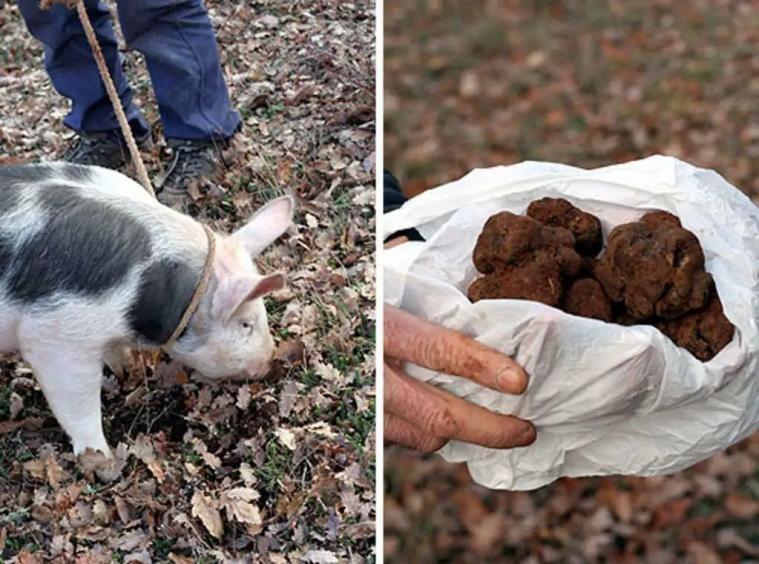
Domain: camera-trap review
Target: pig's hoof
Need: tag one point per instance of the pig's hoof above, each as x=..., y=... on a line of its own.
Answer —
x=118, y=359
x=106, y=468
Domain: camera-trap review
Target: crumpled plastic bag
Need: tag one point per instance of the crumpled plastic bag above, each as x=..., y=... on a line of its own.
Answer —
x=606, y=399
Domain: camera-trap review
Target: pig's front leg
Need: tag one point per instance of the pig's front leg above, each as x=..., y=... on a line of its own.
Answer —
x=71, y=384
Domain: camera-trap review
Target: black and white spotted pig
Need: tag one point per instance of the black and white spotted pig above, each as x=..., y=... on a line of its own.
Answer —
x=90, y=262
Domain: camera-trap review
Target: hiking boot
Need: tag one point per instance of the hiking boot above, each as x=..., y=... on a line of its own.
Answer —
x=194, y=166
x=107, y=149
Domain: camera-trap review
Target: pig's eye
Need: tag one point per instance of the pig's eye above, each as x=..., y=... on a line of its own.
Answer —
x=247, y=325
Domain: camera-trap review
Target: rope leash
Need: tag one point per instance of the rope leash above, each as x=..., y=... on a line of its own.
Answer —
x=200, y=290
x=134, y=152
x=110, y=88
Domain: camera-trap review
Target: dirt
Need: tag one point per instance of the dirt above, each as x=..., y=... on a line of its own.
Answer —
x=652, y=271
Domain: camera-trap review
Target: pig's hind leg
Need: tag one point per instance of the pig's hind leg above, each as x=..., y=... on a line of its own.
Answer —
x=71, y=383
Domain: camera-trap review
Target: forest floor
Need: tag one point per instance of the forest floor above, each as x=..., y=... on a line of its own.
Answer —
x=280, y=470
x=586, y=84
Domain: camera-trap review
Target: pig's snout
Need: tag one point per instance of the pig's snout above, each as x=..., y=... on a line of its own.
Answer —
x=256, y=370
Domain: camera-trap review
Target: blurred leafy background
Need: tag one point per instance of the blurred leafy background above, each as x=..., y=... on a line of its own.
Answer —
x=475, y=84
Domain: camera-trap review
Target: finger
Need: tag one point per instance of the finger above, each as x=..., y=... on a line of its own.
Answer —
x=402, y=433
x=396, y=241
x=436, y=412
x=410, y=338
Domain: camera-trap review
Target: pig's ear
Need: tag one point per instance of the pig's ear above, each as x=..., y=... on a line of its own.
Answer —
x=233, y=293
x=266, y=225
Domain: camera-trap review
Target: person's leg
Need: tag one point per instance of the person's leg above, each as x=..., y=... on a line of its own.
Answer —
x=179, y=44
x=71, y=66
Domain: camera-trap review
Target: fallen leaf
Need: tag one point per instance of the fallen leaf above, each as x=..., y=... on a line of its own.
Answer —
x=703, y=554
x=209, y=458
x=286, y=437
x=138, y=557
x=53, y=471
x=287, y=398
x=205, y=509
x=243, y=397
x=291, y=351
x=143, y=449
x=742, y=507
x=238, y=503
x=311, y=221
x=122, y=509
x=25, y=557
x=130, y=540
x=29, y=422
x=35, y=468
x=247, y=474
x=17, y=404
x=320, y=557
x=327, y=372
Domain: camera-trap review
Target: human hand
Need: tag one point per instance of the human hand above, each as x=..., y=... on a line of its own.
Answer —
x=423, y=417
x=397, y=241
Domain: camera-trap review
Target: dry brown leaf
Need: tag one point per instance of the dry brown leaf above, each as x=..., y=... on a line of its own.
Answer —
x=138, y=557
x=320, y=557
x=238, y=503
x=703, y=554
x=35, y=468
x=286, y=437
x=741, y=506
x=26, y=557
x=205, y=509
x=17, y=404
x=130, y=540
x=80, y=515
x=247, y=474
x=209, y=458
x=287, y=398
x=243, y=397
x=311, y=221
x=290, y=351
x=60, y=544
x=143, y=449
x=327, y=372
x=10, y=426
x=53, y=471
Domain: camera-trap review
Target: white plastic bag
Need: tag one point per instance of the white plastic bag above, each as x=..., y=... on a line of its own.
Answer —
x=606, y=399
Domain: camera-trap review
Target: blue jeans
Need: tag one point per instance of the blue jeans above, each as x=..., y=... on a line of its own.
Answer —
x=179, y=45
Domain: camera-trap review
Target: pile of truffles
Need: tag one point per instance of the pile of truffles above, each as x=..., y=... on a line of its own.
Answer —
x=651, y=272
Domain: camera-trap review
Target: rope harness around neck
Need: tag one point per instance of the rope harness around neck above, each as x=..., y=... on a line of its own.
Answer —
x=197, y=295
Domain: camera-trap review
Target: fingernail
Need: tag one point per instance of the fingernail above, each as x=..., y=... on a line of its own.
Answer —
x=527, y=437
x=509, y=380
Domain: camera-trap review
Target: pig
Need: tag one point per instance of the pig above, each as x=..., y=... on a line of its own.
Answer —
x=91, y=263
